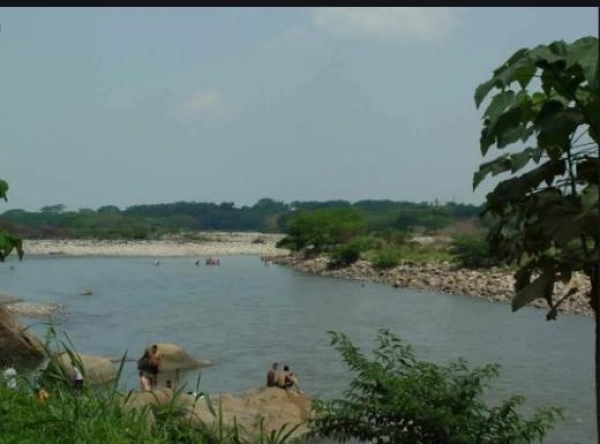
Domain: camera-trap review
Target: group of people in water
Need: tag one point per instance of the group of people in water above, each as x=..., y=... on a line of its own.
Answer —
x=284, y=379
x=208, y=261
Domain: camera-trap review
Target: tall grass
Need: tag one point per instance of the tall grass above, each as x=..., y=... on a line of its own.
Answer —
x=96, y=415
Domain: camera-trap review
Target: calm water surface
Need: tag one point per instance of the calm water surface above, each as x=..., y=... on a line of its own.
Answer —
x=244, y=316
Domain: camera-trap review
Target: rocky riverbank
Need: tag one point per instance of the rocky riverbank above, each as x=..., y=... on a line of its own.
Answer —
x=494, y=284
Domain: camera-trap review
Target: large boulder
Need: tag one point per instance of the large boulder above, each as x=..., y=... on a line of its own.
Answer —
x=97, y=369
x=175, y=358
x=272, y=406
x=18, y=346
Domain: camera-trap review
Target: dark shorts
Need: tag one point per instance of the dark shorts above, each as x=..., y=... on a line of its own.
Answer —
x=153, y=369
x=78, y=384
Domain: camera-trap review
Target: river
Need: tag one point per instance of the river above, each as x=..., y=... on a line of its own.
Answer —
x=244, y=316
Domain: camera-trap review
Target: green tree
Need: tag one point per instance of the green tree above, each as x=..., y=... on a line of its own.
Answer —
x=59, y=208
x=8, y=242
x=396, y=399
x=320, y=230
x=545, y=218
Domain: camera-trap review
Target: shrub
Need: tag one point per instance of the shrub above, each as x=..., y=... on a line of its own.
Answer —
x=348, y=253
x=473, y=251
x=387, y=258
x=394, y=398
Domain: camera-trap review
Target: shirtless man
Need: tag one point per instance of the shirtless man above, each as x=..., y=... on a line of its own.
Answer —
x=287, y=380
x=154, y=361
x=272, y=375
x=282, y=377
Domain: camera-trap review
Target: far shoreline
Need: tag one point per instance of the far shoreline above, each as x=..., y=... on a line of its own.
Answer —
x=205, y=245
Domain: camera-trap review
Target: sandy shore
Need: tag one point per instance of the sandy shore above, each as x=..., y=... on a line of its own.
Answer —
x=204, y=244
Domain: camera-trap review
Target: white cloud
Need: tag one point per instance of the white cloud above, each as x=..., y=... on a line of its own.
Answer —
x=385, y=24
x=201, y=101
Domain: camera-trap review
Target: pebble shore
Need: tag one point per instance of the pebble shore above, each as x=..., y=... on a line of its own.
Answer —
x=209, y=244
x=494, y=284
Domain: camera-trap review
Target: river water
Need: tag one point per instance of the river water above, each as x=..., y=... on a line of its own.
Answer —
x=244, y=316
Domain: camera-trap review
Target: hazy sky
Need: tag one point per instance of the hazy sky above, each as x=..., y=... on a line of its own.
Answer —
x=127, y=106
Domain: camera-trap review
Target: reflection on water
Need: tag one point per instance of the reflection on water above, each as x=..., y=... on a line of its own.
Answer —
x=245, y=316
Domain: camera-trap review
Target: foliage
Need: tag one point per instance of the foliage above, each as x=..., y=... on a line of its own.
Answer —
x=394, y=398
x=349, y=252
x=8, y=242
x=154, y=221
x=320, y=230
x=388, y=257
x=430, y=220
x=473, y=251
x=545, y=216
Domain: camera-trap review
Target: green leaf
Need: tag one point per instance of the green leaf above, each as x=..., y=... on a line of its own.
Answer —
x=589, y=197
x=519, y=160
x=496, y=166
x=499, y=103
x=584, y=52
x=3, y=189
x=482, y=91
x=524, y=75
x=508, y=128
x=542, y=53
x=542, y=287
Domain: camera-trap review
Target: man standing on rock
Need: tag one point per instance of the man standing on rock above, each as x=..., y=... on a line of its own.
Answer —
x=272, y=375
x=154, y=363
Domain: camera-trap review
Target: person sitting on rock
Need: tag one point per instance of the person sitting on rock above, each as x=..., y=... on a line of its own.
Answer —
x=154, y=360
x=272, y=375
x=283, y=379
x=287, y=379
x=168, y=390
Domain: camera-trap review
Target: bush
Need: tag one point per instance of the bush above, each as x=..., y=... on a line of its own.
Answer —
x=348, y=253
x=473, y=252
x=395, y=398
x=387, y=258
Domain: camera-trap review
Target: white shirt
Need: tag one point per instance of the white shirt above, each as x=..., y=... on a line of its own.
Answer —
x=10, y=375
x=78, y=375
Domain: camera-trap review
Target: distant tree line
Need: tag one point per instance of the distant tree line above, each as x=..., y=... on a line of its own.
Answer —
x=267, y=215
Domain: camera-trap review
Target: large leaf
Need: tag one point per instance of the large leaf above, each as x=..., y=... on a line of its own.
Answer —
x=542, y=287
x=482, y=91
x=3, y=189
x=585, y=53
x=9, y=243
x=498, y=104
x=542, y=53
x=587, y=170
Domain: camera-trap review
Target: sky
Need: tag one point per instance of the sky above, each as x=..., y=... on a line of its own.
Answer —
x=126, y=106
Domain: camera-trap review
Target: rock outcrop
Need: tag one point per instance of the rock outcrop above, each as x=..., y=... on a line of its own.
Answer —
x=175, y=358
x=18, y=346
x=272, y=406
x=36, y=309
x=98, y=370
